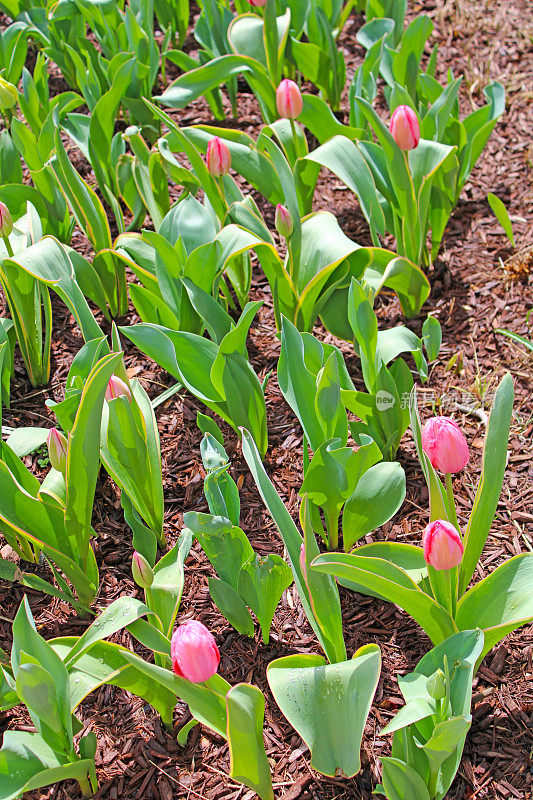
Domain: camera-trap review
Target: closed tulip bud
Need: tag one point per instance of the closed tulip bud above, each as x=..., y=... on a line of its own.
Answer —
x=218, y=157
x=142, y=572
x=283, y=221
x=57, y=449
x=445, y=445
x=443, y=546
x=8, y=95
x=6, y=223
x=436, y=685
x=117, y=388
x=405, y=128
x=289, y=99
x=257, y=3
x=194, y=652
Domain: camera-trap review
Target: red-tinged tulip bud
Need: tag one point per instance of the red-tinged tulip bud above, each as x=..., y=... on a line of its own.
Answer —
x=257, y=3
x=218, y=157
x=117, y=388
x=405, y=128
x=194, y=652
x=283, y=221
x=6, y=223
x=445, y=445
x=289, y=99
x=142, y=572
x=8, y=95
x=57, y=449
x=443, y=546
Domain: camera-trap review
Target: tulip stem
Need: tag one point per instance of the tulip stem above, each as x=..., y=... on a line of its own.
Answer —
x=294, y=137
x=8, y=246
x=220, y=182
x=452, y=512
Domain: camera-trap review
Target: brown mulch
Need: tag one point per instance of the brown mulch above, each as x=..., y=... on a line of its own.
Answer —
x=478, y=285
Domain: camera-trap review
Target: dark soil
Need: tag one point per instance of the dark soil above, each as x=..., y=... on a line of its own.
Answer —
x=478, y=286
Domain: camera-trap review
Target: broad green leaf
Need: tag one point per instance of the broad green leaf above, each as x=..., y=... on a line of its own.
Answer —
x=36, y=688
x=328, y=704
x=28, y=763
x=26, y=440
x=207, y=706
x=262, y=582
x=377, y=497
x=400, y=781
x=248, y=762
x=83, y=456
x=490, y=484
x=169, y=578
x=329, y=631
x=232, y=606
x=48, y=261
x=392, y=583
x=26, y=640
x=116, y=616
x=106, y=662
x=226, y=545
x=501, y=602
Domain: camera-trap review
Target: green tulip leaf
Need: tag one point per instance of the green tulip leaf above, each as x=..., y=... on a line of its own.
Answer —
x=328, y=704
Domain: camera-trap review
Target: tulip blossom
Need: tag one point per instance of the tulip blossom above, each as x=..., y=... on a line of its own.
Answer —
x=257, y=3
x=117, y=388
x=142, y=572
x=283, y=221
x=6, y=223
x=289, y=99
x=218, y=157
x=194, y=652
x=405, y=128
x=443, y=546
x=57, y=449
x=445, y=445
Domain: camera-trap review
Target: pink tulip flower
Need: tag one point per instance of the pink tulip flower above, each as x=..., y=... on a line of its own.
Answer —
x=257, y=3
x=445, y=445
x=194, y=652
x=405, y=128
x=218, y=157
x=443, y=546
x=289, y=99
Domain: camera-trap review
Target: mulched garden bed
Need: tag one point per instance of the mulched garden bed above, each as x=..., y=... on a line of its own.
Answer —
x=476, y=288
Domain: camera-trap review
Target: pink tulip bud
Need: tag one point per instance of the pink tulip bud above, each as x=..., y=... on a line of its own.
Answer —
x=289, y=99
x=117, y=388
x=405, y=128
x=194, y=652
x=257, y=3
x=6, y=223
x=142, y=572
x=57, y=449
x=445, y=445
x=283, y=221
x=443, y=546
x=218, y=157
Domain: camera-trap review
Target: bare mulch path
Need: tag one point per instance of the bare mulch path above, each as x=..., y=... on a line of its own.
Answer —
x=476, y=289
